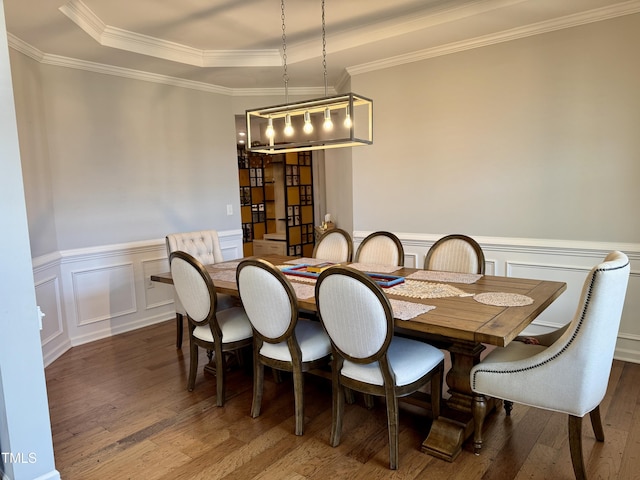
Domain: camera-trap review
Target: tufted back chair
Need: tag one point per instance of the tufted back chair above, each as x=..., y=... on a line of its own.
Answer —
x=367, y=357
x=381, y=248
x=455, y=253
x=281, y=340
x=572, y=373
x=203, y=245
x=334, y=246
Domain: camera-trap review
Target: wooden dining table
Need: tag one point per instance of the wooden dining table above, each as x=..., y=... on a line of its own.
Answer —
x=459, y=323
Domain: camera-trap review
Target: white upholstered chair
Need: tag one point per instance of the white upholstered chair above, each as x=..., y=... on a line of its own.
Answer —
x=334, y=246
x=455, y=253
x=571, y=374
x=281, y=340
x=203, y=245
x=220, y=332
x=381, y=248
x=367, y=357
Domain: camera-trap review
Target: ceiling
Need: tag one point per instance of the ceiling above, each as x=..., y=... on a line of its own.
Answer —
x=237, y=44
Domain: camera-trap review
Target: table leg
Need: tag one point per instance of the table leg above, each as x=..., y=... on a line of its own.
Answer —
x=455, y=424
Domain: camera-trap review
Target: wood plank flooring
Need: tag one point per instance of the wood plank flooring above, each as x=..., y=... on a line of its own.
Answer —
x=120, y=409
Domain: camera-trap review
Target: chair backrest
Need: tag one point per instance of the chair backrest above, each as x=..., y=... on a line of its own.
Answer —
x=204, y=245
x=335, y=246
x=268, y=299
x=588, y=345
x=455, y=253
x=355, y=313
x=381, y=248
x=571, y=375
x=194, y=287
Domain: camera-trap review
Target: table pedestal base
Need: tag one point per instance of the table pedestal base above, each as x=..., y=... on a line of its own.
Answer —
x=455, y=423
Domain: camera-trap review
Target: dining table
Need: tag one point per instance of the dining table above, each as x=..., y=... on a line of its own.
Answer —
x=463, y=314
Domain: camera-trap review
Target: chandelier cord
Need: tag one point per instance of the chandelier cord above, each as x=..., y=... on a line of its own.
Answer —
x=285, y=75
x=324, y=51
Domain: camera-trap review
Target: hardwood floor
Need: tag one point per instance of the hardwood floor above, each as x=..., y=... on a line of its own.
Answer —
x=120, y=409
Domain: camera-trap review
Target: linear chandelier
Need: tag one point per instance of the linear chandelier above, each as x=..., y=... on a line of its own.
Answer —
x=344, y=120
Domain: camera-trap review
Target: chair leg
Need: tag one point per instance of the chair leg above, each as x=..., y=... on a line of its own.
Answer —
x=258, y=381
x=596, y=423
x=479, y=410
x=298, y=398
x=508, y=406
x=338, y=394
x=369, y=401
x=179, y=329
x=575, y=445
x=193, y=365
x=392, y=421
x=349, y=396
x=221, y=366
x=436, y=392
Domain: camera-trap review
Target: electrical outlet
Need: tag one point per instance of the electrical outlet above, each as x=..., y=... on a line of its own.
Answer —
x=229, y=209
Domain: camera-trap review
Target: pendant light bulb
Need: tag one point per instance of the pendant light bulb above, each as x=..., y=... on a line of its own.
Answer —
x=328, y=124
x=347, y=120
x=269, y=132
x=308, y=127
x=288, y=128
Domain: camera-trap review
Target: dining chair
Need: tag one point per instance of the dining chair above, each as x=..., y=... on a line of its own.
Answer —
x=203, y=245
x=281, y=340
x=367, y=357
x=335, y=246
x=455, y=253
x=381, y=248
x=571, y=374
x=218, y=331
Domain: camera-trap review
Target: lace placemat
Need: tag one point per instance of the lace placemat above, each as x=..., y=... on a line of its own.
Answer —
x=452, y=277
x=501, y=299
x=418, y=289
x=303, y=290
x=224, y=276
x=408, y=310
x=372, y=267
x=226, y=265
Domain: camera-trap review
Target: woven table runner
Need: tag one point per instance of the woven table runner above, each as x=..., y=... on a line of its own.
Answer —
x=226, y=265
x=304, y=261
x=417, y=289
x=445, y=276
x=372, y=267
x=501, y=299
x=224, y=276
x=303, y=291
x=408, y=310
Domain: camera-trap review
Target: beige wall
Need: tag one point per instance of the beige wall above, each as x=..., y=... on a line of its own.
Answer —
x=534, y=138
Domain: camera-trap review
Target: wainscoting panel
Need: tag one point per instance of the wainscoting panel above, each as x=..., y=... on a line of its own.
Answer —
x=104, y=293
x=156, y=294
x=93, y=293
x=48, y=298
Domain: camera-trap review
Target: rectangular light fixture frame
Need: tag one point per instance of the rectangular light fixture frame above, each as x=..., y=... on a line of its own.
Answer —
x=343, y=134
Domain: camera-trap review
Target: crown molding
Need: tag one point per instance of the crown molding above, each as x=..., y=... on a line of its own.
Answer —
x=24, y=48
x=67, y=62
x=596, y=15
x=95, y=26
x=114, y=37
